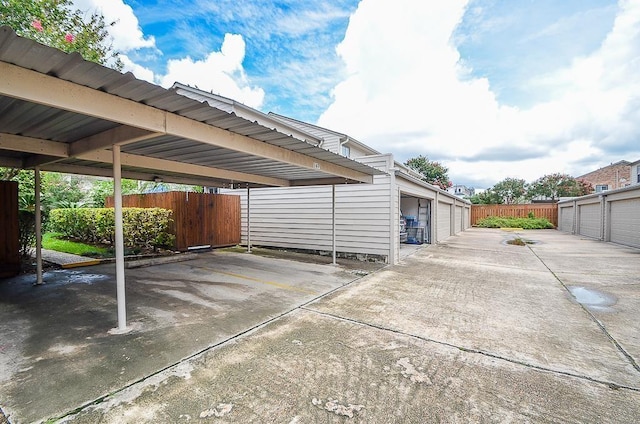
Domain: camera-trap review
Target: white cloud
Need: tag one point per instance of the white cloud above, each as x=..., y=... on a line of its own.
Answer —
x=220, y=72
x=408, y=93
x=126, y=31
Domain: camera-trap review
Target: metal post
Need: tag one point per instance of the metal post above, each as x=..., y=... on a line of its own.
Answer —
x=333, y=221
x=38, y=228
x=248, y=219
x=119, y=239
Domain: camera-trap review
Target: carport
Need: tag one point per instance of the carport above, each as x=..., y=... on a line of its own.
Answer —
x=59, y=112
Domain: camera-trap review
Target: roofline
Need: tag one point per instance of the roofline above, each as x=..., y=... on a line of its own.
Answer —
x=344, y=137
x=309, y=138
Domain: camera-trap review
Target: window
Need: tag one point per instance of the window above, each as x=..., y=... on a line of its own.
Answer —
x=638, y=171
x=345, y=151
x=602, y=187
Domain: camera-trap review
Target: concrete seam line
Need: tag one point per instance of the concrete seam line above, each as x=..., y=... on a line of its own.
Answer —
x=201, y=352
x=593, y=318
x=609, y=384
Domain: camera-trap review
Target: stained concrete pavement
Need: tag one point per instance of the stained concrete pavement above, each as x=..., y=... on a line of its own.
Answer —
x=470, y=330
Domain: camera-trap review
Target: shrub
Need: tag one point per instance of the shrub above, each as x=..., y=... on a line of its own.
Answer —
x=142, y=227
x=27, y=229
x=513, y=222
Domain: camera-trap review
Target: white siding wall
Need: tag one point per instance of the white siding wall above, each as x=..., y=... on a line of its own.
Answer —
x=300, y=217
x=589, y=219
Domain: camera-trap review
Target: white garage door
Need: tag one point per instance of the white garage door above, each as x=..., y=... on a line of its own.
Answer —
x=458, y=225
x=444, y=221
x=566, y=219
x=589, y=221
x=625, y=222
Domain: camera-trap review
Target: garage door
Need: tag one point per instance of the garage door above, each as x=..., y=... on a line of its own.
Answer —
x=589, y=221
x=458, y=223
x=444, y=221
x=625, y=222
x=566, y=219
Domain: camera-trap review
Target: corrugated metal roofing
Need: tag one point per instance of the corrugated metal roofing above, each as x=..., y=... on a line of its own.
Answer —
x=24, y=118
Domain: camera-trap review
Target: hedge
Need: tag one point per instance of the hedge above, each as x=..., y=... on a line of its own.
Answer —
x=514, y=222
x=143, y=227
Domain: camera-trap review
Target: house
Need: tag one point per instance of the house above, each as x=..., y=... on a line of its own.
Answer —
x=635, y=172
x=610, y=177
x=461, y=190
x=366, y=221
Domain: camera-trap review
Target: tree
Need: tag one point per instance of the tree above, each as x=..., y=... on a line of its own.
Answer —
x=487, y=197
x=554, y=186
x=432, y=172
x=510, y=190
x=57, y=24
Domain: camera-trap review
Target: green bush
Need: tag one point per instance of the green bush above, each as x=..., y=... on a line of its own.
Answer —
x=142, y=227
x=513, y=222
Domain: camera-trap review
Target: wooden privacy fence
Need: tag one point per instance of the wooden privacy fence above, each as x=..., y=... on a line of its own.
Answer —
x=540, y=210
x=9, y=230
x=199, y=219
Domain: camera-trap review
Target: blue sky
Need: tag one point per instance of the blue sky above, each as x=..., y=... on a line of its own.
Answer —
x=491, y=88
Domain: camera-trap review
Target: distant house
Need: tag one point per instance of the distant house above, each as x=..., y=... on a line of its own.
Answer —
x=635, y=172
x=461, y=190
x=610, y=177
x=372, y=221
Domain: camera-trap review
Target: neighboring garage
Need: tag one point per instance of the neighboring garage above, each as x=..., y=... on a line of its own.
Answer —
x=610, y=216
x=62, y=113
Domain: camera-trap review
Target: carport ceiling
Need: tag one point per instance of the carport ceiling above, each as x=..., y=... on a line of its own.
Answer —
x=63, y=113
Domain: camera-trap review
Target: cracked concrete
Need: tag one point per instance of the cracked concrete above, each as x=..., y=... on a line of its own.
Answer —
x=471, y=330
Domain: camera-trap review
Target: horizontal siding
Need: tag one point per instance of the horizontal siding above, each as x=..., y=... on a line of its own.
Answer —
x=300, y=217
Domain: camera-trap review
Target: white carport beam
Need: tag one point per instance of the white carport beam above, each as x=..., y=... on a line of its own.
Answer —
x=120, y=136
x=36, y=87
x=119, y=240
x=54, y=148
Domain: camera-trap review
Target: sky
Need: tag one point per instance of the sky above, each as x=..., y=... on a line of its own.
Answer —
x=489, y=88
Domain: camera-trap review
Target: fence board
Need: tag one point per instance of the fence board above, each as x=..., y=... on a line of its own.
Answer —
x=540, y=210
x=199, y=218
x=10, y=246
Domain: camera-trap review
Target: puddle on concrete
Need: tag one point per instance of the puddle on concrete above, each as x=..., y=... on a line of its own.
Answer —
x=64, y=276
x=593, y=299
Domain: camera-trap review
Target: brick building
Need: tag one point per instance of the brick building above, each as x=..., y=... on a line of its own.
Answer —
x=609, y=177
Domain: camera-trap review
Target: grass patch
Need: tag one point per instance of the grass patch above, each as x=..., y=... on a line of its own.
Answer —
x=55, y=241
x=513, y=222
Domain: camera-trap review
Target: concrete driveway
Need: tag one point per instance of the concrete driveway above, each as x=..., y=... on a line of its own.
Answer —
x=471, y=330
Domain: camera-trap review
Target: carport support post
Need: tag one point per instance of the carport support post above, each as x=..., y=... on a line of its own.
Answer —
x=38, y=227
x=119, y=238
x=333, y=221
x=248, y=219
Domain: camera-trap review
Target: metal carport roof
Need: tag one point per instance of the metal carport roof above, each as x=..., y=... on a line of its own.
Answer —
x=63, y=113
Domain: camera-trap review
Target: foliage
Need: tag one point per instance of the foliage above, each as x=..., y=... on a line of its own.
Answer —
x=432, y=172
x=510, y=190
x=102, y=189
x=27, y=231
x=55, y=241
x=554, y=186
x=487, y=197
x=57, y=24
x=143, y=227
x=513, y=222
